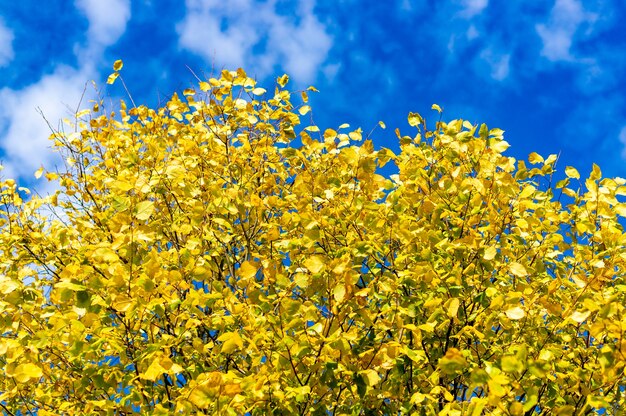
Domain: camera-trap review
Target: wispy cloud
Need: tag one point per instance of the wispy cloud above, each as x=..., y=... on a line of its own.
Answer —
x=56, y=95
x=6, y=44
x=622, y=140
x=107, y=19
x=557, y=35
x=472, y=8
x=256, y=36
x=498, y=63
x=25, y=143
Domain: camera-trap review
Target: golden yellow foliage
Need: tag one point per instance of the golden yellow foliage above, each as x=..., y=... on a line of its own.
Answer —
x=216, y=256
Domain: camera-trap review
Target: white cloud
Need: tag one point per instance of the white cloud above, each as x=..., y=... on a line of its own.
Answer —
x=498, y=64
x=472, y=8
x=244, y=33
x=24, y=131
x=107, y=19
x=558, y=34
x=25, y=141
x=472, y=33
x=622, y=139
x=6, y=44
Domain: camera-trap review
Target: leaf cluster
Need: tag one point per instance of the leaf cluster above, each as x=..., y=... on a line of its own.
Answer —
x=204, y=257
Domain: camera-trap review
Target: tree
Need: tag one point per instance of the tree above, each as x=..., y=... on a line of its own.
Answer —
x=197, y=258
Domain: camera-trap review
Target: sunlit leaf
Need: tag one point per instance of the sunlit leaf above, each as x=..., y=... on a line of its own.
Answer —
x=111, y=79
x=144, y=210
x=515, y=313
x=571, y=172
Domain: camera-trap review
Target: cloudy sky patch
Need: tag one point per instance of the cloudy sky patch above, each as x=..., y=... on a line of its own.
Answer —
x=551, y=74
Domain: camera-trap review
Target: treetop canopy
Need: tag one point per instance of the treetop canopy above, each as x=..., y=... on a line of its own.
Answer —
x=223, y=255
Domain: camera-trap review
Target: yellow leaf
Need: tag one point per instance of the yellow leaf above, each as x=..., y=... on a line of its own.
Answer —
x=117, y=65
x=453, y=307
x=417, y=398
x=314, y=264
x=596, y=173
x=515, y=313
x=144, y=210
x=571, y=172
x=382, y=125
x=339, y=292
x=516, y=409
x=231, y=389
x=453, y=362
x=283, y=80
x=436, y=107
x=490, y=253
x=247, y=270
x=580, y=316
x=535, y=158
x=518, y=270
x=26, y=372
x=169, y=366
x=111, y=79
x=371, y=377
x=259, y=91
x=500, y=146
x=427, y=327
x=330, y=134
x=39, y=173
x=415, y=119
x=620, y=209
x=356, y=135
x=154, y=371
x=304, y=109
x=231, y=342
x=511, y=364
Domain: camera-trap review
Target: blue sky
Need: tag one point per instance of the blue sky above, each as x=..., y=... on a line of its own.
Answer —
x=551, y=73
